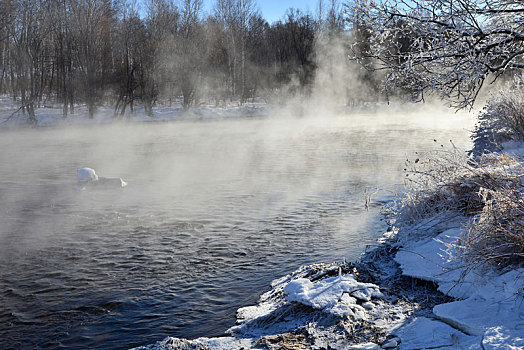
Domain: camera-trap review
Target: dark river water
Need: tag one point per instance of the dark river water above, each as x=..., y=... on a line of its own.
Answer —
x=214, y=211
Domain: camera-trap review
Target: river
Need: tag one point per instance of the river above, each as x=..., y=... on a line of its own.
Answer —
x=213, y=212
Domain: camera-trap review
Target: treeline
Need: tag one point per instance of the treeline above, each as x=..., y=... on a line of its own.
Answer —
x=111, y=52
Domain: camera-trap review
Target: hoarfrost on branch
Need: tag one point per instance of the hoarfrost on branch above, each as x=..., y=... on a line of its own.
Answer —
x=448, y=46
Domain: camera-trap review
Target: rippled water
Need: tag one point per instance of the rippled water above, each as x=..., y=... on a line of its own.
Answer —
x=213, y=212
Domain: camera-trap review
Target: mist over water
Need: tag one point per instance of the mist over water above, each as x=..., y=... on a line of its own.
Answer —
x=213, y=212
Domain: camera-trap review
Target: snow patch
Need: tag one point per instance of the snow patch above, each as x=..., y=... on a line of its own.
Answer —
x=425, y=333
x=501, y=338
x=490, y=299
x=336, y=295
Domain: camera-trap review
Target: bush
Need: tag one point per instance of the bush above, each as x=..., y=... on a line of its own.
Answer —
x=487, y=192
x=502, y=119
x=496, y=236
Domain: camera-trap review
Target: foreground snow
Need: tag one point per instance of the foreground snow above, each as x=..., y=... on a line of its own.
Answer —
x=489, y=304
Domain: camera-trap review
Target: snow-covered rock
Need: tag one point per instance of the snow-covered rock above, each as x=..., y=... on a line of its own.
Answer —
x=337, y=295
x=86, y=175
x=219, y=343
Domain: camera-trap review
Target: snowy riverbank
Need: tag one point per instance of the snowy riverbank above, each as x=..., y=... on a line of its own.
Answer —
x=51, y=114
x=413, y=291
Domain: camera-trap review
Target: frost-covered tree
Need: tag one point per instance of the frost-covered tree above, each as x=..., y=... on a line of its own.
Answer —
x=448, y=46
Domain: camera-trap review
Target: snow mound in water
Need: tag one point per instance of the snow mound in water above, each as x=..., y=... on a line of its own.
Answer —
x=86, y=175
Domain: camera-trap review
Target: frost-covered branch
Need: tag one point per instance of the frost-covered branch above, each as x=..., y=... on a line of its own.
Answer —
x=447, y=46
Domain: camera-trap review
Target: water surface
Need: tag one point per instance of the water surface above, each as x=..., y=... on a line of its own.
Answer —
x=213, y=212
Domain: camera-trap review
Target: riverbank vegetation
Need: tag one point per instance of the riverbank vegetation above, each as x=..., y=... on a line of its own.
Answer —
x=452, y=49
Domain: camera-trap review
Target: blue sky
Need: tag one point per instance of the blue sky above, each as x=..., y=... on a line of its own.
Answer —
x=273, y=10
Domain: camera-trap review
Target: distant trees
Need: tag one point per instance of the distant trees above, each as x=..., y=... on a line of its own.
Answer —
x=119, y=54
x=443, y=45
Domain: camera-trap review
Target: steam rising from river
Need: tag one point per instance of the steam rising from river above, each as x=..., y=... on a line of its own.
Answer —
x=213, y=211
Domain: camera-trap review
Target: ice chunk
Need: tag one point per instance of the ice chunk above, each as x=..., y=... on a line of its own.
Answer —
x=432, y=261
x=424, y=333
x=111, y=182
x=88, y=176
x=476, y=315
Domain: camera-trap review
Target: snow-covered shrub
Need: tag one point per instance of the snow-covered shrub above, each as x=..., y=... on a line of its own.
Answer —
x=502, y=119
x=488, y=191
x=496, y=236
x=447, y=185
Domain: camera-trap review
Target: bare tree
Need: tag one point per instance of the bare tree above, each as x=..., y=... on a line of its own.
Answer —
x=30, y=28
x=447, y=46
x=188, y=54
x=88, y=16
x=236, y=16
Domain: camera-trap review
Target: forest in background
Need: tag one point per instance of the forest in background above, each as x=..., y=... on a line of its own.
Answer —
x=120, y=53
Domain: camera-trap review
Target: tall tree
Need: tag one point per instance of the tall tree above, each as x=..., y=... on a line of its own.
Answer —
x=88, y=16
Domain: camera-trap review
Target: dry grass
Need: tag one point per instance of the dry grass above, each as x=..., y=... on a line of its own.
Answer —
x=496, y=236
x=449, y=185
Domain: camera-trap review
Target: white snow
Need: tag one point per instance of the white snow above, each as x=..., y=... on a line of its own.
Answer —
x=226, y=343
x=52, y=115
x=491, y=301
x=425, y=333
x=501, y=338
x=336, y=295
x=86, y=174
x=364, y=346
x=255, y=311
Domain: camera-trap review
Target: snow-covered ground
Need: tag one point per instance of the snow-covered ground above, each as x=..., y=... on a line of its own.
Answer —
x=51, y=114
